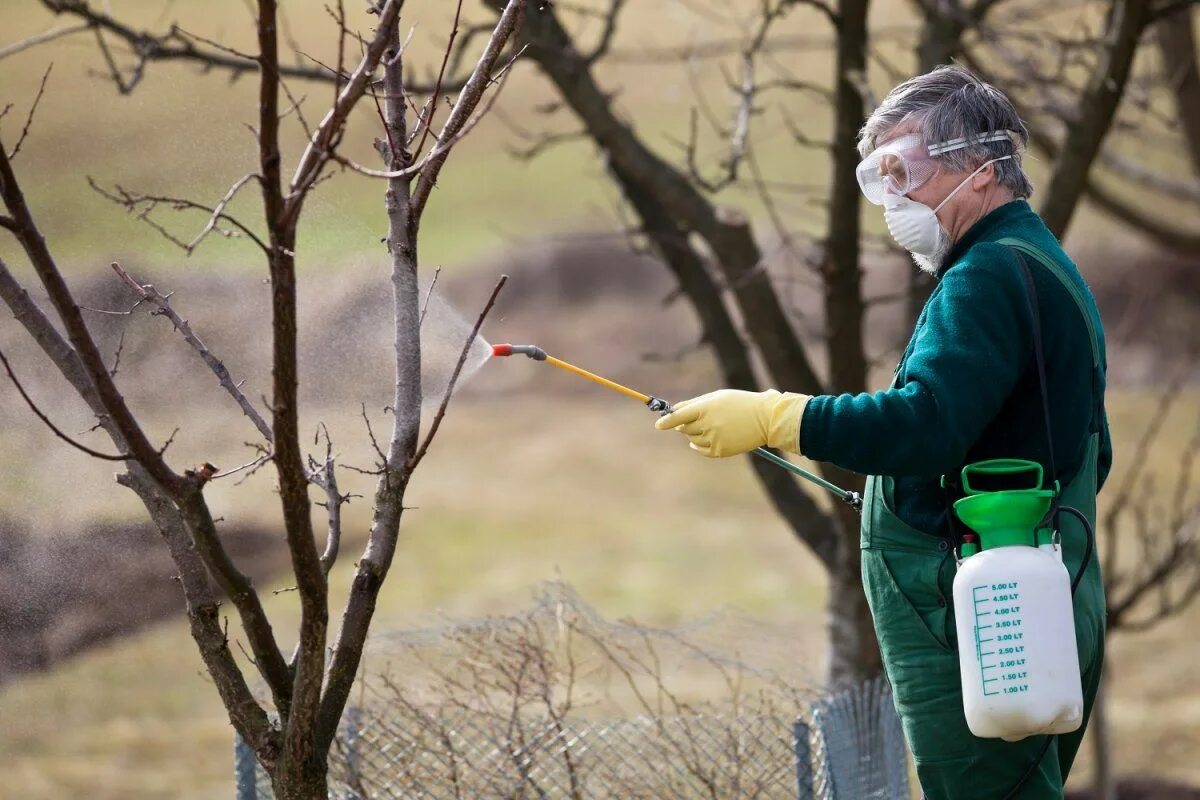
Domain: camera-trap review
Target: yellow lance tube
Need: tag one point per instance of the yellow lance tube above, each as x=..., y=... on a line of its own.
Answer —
x=658, y=405
x=625, y=390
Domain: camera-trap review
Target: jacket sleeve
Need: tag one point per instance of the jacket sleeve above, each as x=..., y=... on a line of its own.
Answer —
x=963, y=362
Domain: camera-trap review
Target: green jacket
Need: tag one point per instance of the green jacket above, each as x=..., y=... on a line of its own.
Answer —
x=966, y=388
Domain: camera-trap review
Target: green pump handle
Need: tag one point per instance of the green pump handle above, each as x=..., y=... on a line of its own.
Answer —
x=1000, y=466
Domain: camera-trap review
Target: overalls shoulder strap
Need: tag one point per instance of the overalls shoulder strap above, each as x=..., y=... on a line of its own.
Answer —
x=1056, y=269
x=1085, y=310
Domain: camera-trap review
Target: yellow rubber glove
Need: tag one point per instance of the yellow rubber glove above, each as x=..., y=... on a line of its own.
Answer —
x=730, y=422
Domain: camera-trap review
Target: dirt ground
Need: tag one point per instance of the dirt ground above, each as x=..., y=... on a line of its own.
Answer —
x=60, y=595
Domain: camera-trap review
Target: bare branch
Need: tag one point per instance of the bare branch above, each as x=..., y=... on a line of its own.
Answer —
x=468, y=100
x=144, y=205
x=33, y=406
x=44, y=264
x=149, y=294
x=324, y=140
x=244, y=711
x=462, y=359
x=610, y=28
x=437, y=87
x=325, y=476
x=117, y=357
x=41, y=38
x=32, y=110
x=114, y=72
x=439, y=153
x=429, y=296
x=1170, y=185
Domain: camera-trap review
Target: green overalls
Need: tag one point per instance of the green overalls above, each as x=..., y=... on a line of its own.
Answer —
x=908, y=577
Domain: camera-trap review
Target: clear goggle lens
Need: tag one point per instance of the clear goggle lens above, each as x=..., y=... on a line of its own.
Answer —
x=897, y=167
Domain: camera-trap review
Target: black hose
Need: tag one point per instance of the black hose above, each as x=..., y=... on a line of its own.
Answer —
x=1089, y=544
x=1089, y=547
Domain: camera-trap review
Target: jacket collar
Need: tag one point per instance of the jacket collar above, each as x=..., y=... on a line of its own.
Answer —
x=990, y=227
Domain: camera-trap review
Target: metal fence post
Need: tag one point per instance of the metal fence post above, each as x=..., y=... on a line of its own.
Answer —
x=862, y=744
x=245, y=769
x=804, y=768
x=352, y=738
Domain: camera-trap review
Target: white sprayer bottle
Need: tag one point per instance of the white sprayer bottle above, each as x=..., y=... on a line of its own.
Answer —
x=1012, y=604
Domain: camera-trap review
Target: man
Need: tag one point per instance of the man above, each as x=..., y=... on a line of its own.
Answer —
x=942, y=156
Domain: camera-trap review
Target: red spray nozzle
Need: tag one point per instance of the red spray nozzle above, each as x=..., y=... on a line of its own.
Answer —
x=533, y=351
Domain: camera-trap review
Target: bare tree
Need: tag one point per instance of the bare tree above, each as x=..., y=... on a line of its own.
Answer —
x=724, y=266
x=1151, y=559
x=307, y=690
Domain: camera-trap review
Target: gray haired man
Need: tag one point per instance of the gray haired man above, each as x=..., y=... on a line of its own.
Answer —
x=942, y=156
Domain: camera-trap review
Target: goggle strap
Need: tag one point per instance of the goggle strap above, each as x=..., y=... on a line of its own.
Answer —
x=966, y=141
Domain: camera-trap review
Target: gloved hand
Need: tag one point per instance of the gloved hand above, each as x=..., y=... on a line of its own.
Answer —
x=729, y=422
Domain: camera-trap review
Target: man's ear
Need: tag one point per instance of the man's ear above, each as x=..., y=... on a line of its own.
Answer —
x=984, y=178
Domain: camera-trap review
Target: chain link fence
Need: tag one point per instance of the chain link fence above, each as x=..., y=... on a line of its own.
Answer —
x=557, y=703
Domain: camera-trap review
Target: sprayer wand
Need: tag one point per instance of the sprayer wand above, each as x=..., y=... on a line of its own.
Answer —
x=660, y=406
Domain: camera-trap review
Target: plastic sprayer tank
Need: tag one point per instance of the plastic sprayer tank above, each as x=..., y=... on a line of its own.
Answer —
x=1015, y=621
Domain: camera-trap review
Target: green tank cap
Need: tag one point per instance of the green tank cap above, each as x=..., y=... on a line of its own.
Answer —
x=1009, y=516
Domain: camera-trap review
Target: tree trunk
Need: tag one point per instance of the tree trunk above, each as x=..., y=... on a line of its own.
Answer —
x=853, y=651
x=940, y=41
x=1177, y=44
x=301, y=782
x=1104, y=784
x=671, y=209
x=1097, y=108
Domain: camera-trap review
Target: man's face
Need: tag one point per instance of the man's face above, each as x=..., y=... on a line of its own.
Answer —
x=938, y=187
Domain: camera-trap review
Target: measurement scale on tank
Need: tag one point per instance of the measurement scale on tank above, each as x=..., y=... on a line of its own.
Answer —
x=999, y=638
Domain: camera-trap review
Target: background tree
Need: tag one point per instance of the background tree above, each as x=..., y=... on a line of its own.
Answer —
x=685, y=210
x=291, y=734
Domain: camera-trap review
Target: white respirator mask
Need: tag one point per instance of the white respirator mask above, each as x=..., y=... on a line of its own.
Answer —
x=898, y=167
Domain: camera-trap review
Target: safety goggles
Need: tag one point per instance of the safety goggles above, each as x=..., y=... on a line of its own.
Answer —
x=904, y=163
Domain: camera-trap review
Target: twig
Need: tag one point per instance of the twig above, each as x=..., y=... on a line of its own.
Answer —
x=429, y=296
x=41, y=38
x=178, y=31
x=437, y=154
x=114, y=71
x=255, y=464
x=460, y=120
x=374, y=441
x=219, y=210
x=32, y=110
x=151, y=295
x=437, y=87
x=323, y=141
x=326, y=478
x=462, y=359
x=117, y=356
x=52, y=426
x=148, y=202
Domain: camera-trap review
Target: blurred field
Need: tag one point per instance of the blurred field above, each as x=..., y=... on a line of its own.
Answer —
x=183, y=133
